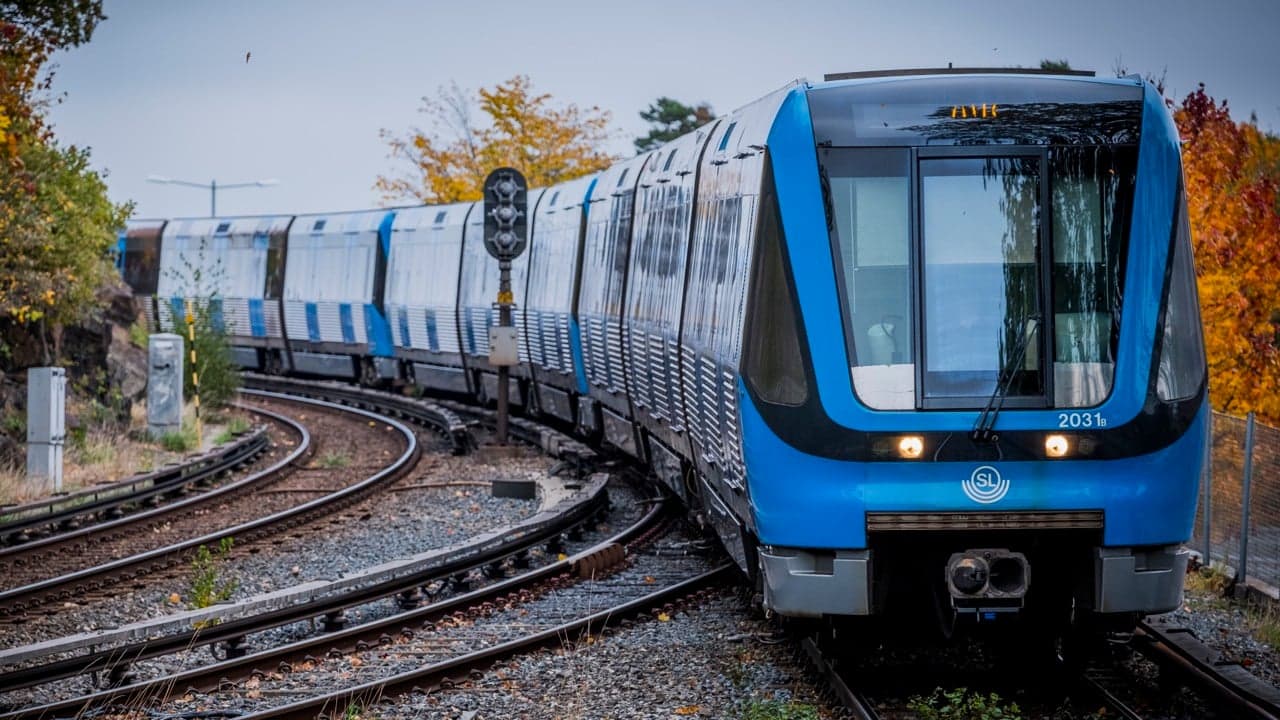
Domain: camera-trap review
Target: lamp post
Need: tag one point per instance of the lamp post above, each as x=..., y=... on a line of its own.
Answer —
x=212, y=186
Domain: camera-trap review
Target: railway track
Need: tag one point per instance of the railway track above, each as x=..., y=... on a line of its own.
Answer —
x=486, y=566
x=1227, y=688
x=47, y=518
x=17, y=601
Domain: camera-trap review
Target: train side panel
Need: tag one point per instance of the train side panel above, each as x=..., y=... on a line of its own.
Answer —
x=552, y=331
x=729, y=185
x=655, y=292
x=601, y=295
x=234, y=261
x=333, y=295
x=422, y=294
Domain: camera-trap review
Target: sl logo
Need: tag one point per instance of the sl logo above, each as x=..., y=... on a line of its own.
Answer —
x=985, y=485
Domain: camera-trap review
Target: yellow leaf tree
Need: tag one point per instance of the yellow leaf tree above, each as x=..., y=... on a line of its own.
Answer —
x=549, y=143
x=1232, y=187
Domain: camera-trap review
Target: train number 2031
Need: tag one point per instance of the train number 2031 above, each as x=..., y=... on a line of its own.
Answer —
x=1081, y=420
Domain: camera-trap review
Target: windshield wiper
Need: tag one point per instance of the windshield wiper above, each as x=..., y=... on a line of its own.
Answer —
x=984, y=427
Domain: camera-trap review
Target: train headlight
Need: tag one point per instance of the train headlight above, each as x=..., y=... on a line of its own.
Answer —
x=910, y=446
x=1056, y=446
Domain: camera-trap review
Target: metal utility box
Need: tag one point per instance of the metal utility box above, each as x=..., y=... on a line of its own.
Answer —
x=164, y=384
x=46, y=425
x=502, y=346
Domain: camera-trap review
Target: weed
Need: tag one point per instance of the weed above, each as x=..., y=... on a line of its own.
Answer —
x=333, y=461
x=93, y=450
x=1209, y=579
x=778, y=710
x=238, y=425
x=139, y=335
x=352, y=712
x=207, y=586
x=181, y=441
x=15, y=424
x=1264, y=622
x=218, y=373
x=961, y=704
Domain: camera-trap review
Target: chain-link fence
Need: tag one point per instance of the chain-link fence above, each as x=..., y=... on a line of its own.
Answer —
x=1240, y=489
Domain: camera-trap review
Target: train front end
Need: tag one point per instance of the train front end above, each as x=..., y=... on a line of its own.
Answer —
x=975, y=372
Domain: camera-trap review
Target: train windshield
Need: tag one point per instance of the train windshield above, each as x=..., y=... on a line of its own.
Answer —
x=967, y=271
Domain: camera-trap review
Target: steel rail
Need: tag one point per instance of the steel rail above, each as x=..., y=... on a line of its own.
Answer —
x=90, y=578
x=368, y=694
x=1180, y=650
x=359, y=637
x=854, y=701
x=457, y=562
x=130, y=491
x=444, y=420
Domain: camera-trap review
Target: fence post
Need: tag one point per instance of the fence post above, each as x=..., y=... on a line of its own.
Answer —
x=1243, y=572
x=1207, y=504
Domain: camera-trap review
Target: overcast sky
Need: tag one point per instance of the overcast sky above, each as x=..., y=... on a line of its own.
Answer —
x=164, y=89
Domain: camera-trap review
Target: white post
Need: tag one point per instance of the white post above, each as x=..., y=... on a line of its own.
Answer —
x=46, y=426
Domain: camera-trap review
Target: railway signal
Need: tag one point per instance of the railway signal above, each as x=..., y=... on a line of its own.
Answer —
x=505, y=213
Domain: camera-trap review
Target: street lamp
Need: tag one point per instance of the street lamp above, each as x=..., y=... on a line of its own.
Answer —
x=212, y=186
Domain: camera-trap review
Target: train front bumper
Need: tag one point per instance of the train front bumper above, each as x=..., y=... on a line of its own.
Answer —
x=807, y=583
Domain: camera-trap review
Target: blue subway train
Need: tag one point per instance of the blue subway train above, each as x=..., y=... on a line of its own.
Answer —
x=892, y=335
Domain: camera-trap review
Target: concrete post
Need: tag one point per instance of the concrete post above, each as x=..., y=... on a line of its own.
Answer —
x=164, y=384
x=1242, y=573
x=46, y=426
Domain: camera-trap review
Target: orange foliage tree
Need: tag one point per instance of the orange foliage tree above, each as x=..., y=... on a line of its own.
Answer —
x=521, y=129
x=1231, y=173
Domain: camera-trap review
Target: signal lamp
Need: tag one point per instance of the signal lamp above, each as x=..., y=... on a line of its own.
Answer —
x=1056, y=446
x=910, y=446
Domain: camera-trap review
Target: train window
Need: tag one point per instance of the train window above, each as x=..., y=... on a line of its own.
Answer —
x=667, y=165
x=142, y=263
x=1088, y=185
x=318, y=226
x=554, y=196
x=867, y=196
x=222, y=227
x=1182, y=361
x=981, y=275
x=440, y=216
x=724, y=141
x=622, y=178
x=773, y=363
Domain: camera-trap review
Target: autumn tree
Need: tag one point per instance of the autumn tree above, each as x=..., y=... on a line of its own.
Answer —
x=57, y=225
x=516, y=127
x=1232, y=203
x=671, y=119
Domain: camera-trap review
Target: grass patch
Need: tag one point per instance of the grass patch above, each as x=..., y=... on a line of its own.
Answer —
x=139, y=335
x=15, y=424
x=207, y=585
x=961, y=704
x=778, y=710
x=181, y=441
x=94, y=450
x=333, y=461
x=1209, y=579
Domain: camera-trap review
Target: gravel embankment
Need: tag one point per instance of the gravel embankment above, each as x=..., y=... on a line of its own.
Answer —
x=395, y=523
